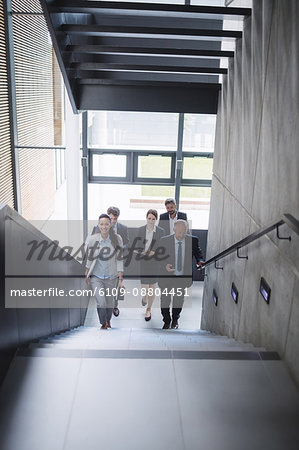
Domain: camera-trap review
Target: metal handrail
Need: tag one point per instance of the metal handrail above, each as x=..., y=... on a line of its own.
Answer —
x=285, y=218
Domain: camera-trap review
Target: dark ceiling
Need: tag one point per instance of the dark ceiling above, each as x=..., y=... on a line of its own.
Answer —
x=141, y=56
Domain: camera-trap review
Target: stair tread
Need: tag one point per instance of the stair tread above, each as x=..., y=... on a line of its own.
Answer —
x=91, y=338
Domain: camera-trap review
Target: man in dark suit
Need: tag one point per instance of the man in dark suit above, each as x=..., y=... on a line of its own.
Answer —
x=114, y=212
x=168, y=219
x=176, y=270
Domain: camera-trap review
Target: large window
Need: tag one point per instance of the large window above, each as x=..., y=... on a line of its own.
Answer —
x=133, y=200
x=195, y=201
x=154, y=166
x=109, y=165
x=131, y=167
x=153, y=156
x=132, y=130
x=199, y=132
x=197, y=168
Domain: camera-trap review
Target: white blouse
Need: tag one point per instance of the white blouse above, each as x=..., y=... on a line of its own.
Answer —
x=148, y=238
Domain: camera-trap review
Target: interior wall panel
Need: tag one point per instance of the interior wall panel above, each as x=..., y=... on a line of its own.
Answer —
x=6, y=166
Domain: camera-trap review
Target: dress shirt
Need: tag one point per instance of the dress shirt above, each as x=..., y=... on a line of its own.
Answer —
x=149, y=237
x=101, y=269
x=172, y=222
x=176, y=248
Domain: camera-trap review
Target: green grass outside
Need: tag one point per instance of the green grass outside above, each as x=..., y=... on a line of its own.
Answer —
x=168, y=191
x=196, y=168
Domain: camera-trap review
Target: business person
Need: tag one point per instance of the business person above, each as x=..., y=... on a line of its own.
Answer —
x=148, y=237
x=114, y=213
x=176, y=270
x=168, y=219
x=104, y=267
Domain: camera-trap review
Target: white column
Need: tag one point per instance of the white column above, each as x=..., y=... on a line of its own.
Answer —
x=74, y=207
x=73, y=162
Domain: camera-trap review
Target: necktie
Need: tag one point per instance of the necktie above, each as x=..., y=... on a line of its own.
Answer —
x=180, y=259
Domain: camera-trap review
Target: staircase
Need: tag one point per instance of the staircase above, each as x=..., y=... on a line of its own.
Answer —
x=169, y=56
x=147, y=389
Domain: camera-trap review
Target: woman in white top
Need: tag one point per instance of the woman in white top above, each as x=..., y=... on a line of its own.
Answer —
x=104, y=268
x=149, y=236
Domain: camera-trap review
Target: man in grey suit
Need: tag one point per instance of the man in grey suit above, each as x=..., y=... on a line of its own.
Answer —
x=114, y=212
x=176, y=270
x=168, y=219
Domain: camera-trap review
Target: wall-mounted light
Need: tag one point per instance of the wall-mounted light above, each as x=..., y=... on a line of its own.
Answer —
x=215, y=297
x=234, y=293
x=265, y=290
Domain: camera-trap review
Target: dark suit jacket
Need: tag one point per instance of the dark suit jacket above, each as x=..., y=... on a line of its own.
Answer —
x=149, y=265
x=122, y=230
x=192, y=250
x=159, y=233
x=164, y=221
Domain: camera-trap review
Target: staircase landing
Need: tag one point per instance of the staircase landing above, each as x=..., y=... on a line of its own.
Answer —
x=147, y=389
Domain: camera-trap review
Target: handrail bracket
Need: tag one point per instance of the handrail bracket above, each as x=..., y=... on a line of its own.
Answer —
x=217, y=267
x=280, y=237
x=286, y=218
x=238, y=255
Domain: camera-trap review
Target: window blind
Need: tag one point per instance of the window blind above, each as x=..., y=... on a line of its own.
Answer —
x=33, y=60
x=6, y=169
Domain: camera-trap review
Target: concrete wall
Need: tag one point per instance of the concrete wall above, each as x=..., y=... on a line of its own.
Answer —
x=255, y=180
x=20, y=321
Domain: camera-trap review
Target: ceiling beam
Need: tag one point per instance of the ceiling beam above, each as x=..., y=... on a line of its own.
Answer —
x=143, y=42
x=94, y=30
x=199, y=85
x=146, y=68
x=143, y=76
x=145, y=21
x=99, y=49
x=145, y=59
x=96, y=6
x=200, y=100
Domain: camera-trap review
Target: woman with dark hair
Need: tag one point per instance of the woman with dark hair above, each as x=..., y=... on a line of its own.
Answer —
x=149, y=235
x=104, y=268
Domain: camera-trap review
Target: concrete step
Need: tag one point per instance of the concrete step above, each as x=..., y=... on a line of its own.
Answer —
x=148, y=342
x=139, y=338
x=202, y=348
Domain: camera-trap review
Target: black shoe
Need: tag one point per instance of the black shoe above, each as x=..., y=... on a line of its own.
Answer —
x=165, y=326
x=147, y=318
x=116, y=312
x=143, y=302
x=174, y=324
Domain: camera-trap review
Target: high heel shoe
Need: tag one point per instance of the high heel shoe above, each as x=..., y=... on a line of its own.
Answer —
x=143, y=302
x=147, y=318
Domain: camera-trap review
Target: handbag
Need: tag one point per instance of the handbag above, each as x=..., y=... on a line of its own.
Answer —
x=120, y=295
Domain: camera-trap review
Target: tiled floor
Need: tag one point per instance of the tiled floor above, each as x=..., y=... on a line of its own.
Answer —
x=93, y=403
x=132, y=312
x=142, y=394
